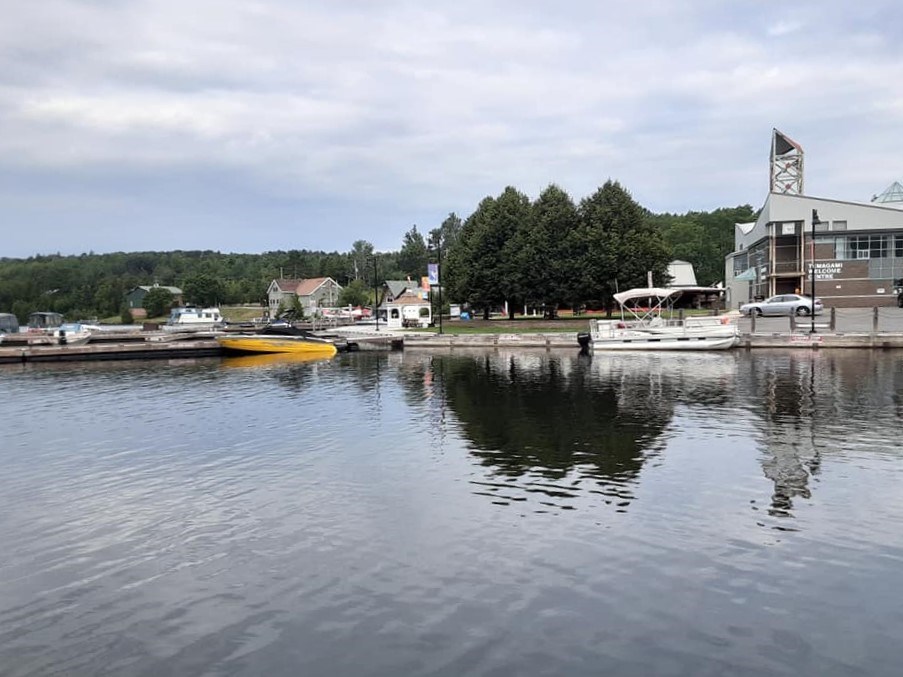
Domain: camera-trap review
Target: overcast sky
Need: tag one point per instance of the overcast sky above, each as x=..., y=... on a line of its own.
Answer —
x=255, y=125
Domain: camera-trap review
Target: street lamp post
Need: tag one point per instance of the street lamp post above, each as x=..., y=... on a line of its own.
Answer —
x=438, y=242
x=439, y=277
x=375, y=293
x=812, y=272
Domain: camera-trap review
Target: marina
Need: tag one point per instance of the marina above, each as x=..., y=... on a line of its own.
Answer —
x=499, y=511
x=861, y=328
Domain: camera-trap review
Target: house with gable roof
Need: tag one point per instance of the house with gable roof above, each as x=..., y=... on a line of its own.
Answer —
x=312, y=293
x=134, y=298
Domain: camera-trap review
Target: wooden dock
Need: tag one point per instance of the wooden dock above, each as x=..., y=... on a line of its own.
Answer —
x=156, y=345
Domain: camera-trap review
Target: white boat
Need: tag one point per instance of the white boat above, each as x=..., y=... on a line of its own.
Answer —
x=648, y=323
x=71, y=334
x=190, y=318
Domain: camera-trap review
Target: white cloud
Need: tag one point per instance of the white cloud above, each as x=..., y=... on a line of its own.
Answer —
x=411, y=110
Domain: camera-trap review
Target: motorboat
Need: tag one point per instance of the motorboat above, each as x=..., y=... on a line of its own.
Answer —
x=191, y=318
x=71, y=334
x=648, y=322
x=275, y=339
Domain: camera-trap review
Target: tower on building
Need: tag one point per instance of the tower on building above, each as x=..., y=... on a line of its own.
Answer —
x=786, y=165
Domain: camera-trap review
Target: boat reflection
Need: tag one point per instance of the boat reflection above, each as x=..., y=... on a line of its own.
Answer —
x=262, y=360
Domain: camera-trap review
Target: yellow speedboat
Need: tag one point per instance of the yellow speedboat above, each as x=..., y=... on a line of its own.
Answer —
x=275, y=343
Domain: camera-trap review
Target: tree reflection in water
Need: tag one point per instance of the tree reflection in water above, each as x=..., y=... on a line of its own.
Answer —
x=552, y=426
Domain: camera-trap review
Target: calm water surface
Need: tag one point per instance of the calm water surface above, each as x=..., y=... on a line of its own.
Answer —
x=485, y=513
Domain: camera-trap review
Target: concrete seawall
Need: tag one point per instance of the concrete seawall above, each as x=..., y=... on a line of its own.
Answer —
x=799, y=340
x=207, y=347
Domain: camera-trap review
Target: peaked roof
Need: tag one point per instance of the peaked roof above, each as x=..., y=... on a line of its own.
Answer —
x=893, y=193
x=288, y=283
x=398, y=287
x=172, y=290
x=308, y=287
x=409, y=299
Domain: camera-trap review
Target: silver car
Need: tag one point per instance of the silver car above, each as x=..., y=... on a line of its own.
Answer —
x=782, y=304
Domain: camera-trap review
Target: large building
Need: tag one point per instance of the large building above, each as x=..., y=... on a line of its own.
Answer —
x=858, y=247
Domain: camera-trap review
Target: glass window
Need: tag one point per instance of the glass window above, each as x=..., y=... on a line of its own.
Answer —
x=840, y=249
x=867, y=247
x=898, y=246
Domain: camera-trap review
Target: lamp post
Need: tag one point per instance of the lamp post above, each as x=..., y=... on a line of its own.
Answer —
x=812, y=272
x=438, y=284
x=375, y=292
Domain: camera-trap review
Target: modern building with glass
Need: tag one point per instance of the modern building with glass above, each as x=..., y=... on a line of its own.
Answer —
x=857, y=248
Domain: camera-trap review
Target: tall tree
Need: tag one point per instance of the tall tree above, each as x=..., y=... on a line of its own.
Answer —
x=510, y=231
x=473, y=261
x=413, y=257
x=618, y=244
x=552, y=249
x=447, y=233
x=361, y=254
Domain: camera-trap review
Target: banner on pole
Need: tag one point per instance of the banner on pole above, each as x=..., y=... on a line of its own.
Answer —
x=432, y=273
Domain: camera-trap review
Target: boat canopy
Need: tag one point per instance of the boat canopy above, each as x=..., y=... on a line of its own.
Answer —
x=659, y=293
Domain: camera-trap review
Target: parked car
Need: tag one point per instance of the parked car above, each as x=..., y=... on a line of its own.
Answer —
x=782, y=304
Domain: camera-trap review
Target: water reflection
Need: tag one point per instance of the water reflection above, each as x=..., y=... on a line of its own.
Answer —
x=270, y=360
x=552, y=426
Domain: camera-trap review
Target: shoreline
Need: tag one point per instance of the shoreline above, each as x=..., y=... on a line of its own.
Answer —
x=151, y=347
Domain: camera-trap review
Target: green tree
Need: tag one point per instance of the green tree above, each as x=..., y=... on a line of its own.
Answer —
x=446, y=235
x=509, y=234
x=158, y=301
x=551, y=250
x=355, y=293
x=618, y=246
x=203, y=289
x=413, y=257
x=473, y=260
x=361, y=254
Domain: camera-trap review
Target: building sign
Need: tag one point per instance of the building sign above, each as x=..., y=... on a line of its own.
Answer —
x=788, y=229
x=826, y=270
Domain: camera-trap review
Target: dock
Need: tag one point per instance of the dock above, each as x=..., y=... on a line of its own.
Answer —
x=156, y=345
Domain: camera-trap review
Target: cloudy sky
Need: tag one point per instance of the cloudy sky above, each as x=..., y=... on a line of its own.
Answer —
x=255, y=125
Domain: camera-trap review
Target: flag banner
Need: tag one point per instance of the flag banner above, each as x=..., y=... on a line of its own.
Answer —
x=432, y=271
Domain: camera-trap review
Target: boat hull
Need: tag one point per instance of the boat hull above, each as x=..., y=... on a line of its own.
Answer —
x=276, y=344
x=707, y=333
x=667, y=343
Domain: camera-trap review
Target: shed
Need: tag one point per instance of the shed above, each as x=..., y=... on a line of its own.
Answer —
x=408, y=310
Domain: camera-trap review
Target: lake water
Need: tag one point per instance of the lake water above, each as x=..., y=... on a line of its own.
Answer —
x=485, y=513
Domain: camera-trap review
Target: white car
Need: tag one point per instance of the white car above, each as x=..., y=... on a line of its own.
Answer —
x=782, y=304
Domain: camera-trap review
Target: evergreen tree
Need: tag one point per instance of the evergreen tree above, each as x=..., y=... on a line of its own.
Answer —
x=413, y=257
x=619, y=246
x=550, y=250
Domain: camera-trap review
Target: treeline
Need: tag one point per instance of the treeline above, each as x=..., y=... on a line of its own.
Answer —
x=549, y=253
x=553, y=252
x=94, y=285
